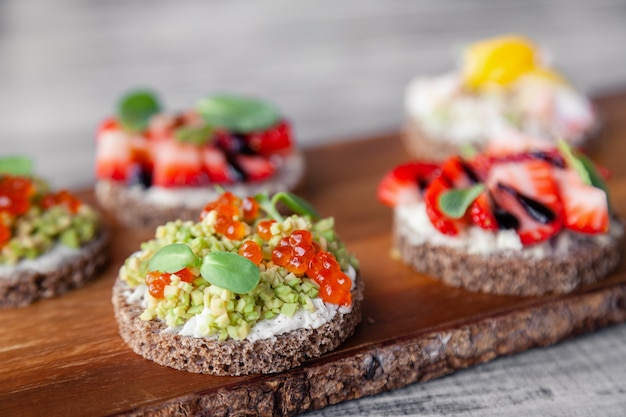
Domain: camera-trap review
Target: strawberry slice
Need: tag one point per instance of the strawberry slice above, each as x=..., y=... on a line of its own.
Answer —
x=114, y=155
x=585, y=206
x=256, y=168
x=442, y=223
x=178, y=164
x=528, y=191
x=403, y=184
x=216, y=165
x=481, y=213
x=276, y=139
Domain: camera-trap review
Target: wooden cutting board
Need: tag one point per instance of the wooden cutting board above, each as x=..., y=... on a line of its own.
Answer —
x=64, y=357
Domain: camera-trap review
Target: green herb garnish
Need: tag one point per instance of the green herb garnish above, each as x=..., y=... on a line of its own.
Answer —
x=230, y=271
x=172, y=258
x=198, y=135
x=454, y=203
x=16, y=165
x=226, y=270
x=581, y=163
x=291, y=201
x=238, y=114
x=135, y=109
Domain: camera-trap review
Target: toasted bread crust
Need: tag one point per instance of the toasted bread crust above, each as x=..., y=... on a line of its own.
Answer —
x=230, y=357
x=509, y=273
x=25, y=286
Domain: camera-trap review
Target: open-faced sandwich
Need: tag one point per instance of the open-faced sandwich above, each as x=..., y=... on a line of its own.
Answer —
x=526, y=223
x=244, y=290
x=504, y=86
x=152, y=166
x=50, y=242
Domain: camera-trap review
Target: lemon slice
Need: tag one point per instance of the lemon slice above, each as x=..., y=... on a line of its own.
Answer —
x=498, y=60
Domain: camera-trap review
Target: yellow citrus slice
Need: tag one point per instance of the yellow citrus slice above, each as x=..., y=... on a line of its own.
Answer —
x=498, y=60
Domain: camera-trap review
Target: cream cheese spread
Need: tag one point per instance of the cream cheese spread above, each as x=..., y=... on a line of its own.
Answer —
x=413, y=224
x=534, y=105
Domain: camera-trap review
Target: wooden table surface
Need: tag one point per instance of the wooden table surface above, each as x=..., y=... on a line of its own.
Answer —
x=64, y=356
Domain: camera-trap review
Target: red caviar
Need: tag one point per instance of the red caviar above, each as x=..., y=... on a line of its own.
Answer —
x=251, y=250
x=263, y=229
x=230, y=209
x=61, y=198
x=299, y=254
x=157, y=280
x=15, y=194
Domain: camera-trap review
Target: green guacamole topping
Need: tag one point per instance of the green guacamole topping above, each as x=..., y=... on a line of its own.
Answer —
x=228, y=314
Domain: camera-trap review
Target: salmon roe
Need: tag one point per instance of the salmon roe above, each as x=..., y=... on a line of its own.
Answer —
x=299, y=254
x=252, y=251
x=263, y=229
x=61, y=198
x=15, y=194
x=157, y=280
x=229, y=209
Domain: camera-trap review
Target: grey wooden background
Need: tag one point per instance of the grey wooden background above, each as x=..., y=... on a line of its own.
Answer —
x=338, y=69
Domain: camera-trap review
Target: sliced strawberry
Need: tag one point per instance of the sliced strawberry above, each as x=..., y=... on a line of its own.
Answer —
x=403, y=184
x=276, y=139
x=178, y=164
x=216, y=166
x=431, y=199
x=528, y=191
x=458, y=173
x=114, y=155
x=481, y=212
x=256, y=168
x=585, y=206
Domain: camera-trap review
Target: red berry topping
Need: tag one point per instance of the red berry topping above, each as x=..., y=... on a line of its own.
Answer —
x=403, y=185
x=278, y=138
x=431, y=199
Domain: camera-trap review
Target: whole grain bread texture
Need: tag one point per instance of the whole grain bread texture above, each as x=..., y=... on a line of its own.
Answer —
x=510, y=273
x=132, y=206
x=231, y=357
x=24, y=285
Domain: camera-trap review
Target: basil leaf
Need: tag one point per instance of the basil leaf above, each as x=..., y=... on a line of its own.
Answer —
x=584, y=166
x=16, y=165
x=454, y=203
x=198, y=135
x=238, y=114
x=296, y=204
x=230, y=271
x=172, y=258
x=135, y=109
x=574, y=162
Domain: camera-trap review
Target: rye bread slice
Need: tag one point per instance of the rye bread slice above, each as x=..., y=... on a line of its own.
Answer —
x=25, y=285
x=509, y=273
x=132, y=207
x=230, y=357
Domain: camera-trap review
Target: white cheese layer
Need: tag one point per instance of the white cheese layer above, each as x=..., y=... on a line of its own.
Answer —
x=290, y=171
x=263, y=329
x=416, y=227
x=445, y=110
x=47, y=262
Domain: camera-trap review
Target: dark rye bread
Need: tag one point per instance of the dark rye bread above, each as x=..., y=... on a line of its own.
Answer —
x=131, y=210
x=231, y=357
x=508, y=274
x=24, y=286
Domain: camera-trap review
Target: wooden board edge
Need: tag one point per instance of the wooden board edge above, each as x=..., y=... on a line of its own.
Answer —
x=387, y=366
